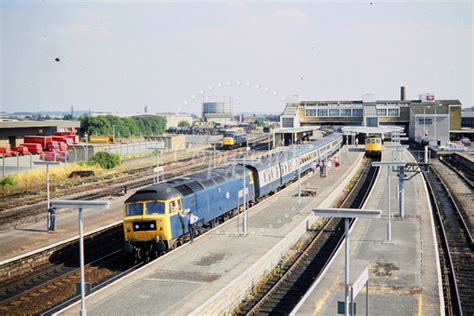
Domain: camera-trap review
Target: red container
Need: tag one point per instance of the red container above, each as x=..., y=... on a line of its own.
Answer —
x=6, y=152
x=74, y=139
x=53, y=156
x=33, y=148
x=42, y=140
x=56, y=146
x=21, y=150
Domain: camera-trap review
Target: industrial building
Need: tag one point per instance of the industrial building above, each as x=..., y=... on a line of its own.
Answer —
x=425, y=118
x=13, y=131
x=217, y=109
x=173, y=119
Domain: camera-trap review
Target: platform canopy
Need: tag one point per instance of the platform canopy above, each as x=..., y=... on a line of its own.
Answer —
x=372, y=130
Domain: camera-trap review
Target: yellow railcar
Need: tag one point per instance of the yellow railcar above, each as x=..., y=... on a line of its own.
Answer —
x=373, y=147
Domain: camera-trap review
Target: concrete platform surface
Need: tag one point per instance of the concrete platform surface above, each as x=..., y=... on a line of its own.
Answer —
x=404, y=274
x=182, y=281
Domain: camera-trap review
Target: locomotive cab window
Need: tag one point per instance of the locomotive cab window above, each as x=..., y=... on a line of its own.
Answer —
x=153, y=208
x=134, y=209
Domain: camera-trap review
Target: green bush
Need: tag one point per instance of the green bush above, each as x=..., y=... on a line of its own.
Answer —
x=8, y=181
x=89, y=163
x=107, y=160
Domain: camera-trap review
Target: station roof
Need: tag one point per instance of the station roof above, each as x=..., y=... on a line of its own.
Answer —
x=284, y=130
x=372, y=130
x=48, y=123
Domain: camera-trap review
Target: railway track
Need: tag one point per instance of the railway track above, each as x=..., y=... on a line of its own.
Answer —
x=285, y=289
x=134, y=179
x=466, y=176
x=52, y=285
x=455, y=246
x=55, y=282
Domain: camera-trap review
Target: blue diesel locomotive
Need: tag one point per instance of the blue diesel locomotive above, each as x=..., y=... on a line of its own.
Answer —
x=152, y=223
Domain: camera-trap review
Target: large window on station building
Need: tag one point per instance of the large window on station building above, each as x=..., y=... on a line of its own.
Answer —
x=333, y=112
x=357, y=112
x=345, y=112
x=310, y=112
x=322, y=112
x=393, y=112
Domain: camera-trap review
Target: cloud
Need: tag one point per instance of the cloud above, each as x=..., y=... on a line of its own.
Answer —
x=83, y=30
x=92, y=16
x=237, y=7
x=292, y=14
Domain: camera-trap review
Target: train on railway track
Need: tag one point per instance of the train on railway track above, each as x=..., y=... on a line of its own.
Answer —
x=233, y=140
x=152, y=220
x=373, y=147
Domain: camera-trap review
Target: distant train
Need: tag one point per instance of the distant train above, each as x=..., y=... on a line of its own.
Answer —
x=151, y=220
x=233, y=140
x=373, y=147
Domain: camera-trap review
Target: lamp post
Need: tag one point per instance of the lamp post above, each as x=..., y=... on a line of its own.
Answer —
x=81, y=205
x=246, y=215
x=435, y=120
x=389, y=164
x=401, y=180
x=424, y=119
x=47, y=164
x=157, y=169
x=347, y=214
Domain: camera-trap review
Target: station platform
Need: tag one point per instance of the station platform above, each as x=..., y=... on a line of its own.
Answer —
x=204, y=277
x=404, y=273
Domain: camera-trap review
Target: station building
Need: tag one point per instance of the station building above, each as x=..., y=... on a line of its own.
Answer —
x=425, y=118
x=13, y=131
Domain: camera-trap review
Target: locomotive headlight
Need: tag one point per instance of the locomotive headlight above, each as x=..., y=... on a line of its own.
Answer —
x=152, y=226
x=136, y=226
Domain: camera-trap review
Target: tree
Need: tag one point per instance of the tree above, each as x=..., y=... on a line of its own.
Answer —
x=68, y=117
x=137, y=125
x=183, y=123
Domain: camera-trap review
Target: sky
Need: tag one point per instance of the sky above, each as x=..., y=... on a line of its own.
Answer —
x=119, y=56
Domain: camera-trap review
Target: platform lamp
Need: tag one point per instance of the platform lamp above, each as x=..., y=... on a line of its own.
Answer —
x=81, y=205
x=347, y=214
x=389, y=164
x=47, y=164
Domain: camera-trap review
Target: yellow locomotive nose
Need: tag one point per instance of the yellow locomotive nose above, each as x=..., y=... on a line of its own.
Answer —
x=228, y=141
